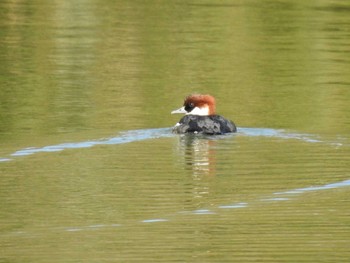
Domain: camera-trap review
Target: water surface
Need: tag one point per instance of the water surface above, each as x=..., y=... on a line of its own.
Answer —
x=89, y=168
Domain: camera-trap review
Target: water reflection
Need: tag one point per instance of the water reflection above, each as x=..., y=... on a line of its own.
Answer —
x=199, y=153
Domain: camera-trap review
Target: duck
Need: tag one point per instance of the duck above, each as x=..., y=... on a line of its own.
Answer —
x=200, y=117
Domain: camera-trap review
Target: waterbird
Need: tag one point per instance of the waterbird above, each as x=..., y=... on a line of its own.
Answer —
x=201, y=117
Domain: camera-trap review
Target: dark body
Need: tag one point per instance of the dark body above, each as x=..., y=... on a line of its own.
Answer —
x=211, y=124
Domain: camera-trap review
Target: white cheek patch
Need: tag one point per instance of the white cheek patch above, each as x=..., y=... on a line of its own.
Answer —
x=204, y=111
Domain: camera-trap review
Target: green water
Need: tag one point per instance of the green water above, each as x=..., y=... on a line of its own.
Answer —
x=90, y=172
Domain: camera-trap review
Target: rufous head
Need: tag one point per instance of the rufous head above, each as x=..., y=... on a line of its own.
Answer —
x=197, y=104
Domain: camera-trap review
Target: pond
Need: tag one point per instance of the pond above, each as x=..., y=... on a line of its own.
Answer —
x=91, y=172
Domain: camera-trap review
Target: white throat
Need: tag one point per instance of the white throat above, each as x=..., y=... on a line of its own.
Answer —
x=203, y=111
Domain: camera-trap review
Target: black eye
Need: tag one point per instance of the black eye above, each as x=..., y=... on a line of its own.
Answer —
x=189, y=107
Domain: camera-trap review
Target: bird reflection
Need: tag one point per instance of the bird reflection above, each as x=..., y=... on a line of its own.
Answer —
x=199, y=154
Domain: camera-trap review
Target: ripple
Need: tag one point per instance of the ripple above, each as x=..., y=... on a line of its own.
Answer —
x=156, y=220
x=214, y=211
x=147, y=134
x=233, y=206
